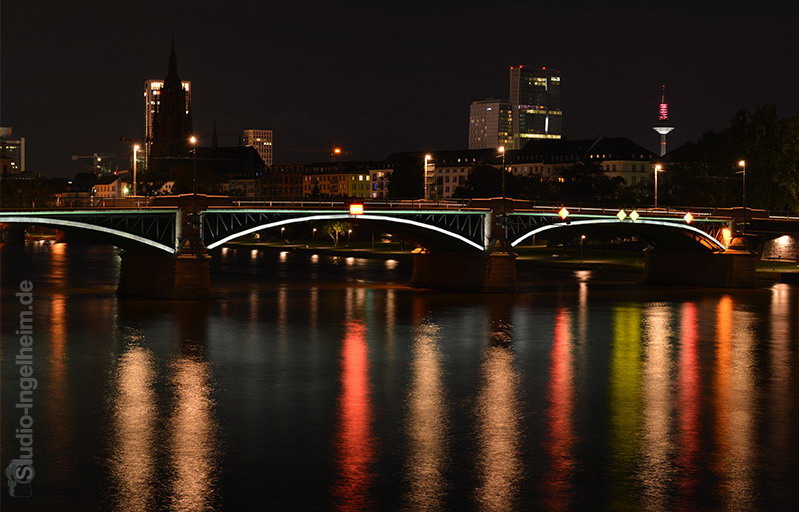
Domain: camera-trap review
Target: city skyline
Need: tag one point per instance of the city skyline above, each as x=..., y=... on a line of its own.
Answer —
x=369, y=92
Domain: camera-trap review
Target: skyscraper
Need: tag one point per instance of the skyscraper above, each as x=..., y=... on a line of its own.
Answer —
x=168, y=120
x=535, y=99
x=663, y=125
x=261, y=140
x=490, y=124
x=12, y=151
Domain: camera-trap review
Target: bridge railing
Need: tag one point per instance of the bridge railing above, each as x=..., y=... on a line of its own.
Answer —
x=333, y=204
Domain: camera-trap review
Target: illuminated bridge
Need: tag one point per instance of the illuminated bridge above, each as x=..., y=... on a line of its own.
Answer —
x=466, y=245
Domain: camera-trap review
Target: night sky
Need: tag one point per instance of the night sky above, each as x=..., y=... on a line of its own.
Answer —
x=377, y=77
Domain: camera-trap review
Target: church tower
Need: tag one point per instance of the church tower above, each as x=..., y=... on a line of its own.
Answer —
x=172, y=125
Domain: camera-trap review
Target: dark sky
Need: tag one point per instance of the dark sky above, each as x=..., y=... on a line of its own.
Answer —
x=382, y=76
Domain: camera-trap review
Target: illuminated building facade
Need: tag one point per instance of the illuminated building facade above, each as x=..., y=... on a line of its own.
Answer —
x=167, y=115
x=12, y=151
x=490, y=124
x=535, y=99
x=261, y=140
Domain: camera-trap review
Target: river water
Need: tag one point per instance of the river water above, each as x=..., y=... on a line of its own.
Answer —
x=317, y=383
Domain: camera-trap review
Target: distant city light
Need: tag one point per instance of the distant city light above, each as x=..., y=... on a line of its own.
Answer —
x=634, y=215
x=688, y=218
x=621, y=215
x=563, y=212
x=356, y=209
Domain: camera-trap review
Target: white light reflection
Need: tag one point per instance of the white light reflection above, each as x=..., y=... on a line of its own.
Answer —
x=657, y=443
x=426, y=423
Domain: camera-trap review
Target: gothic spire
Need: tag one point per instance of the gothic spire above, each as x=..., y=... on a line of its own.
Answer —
x=173, y=63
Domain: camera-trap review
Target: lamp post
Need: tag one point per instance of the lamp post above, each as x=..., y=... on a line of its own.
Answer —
x=135, y=150
x=426, y=176
x=742, y=165
x=658, y=168
x=501, y=150
x=193, y=141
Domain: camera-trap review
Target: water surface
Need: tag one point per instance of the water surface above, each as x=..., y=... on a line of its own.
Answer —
x=322, y=383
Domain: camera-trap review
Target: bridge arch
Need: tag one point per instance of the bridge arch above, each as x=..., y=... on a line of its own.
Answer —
x=413, y=229
x=651, y=230
x=120, y=238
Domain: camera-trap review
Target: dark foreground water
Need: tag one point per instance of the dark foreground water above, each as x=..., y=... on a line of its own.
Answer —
x=314, y=383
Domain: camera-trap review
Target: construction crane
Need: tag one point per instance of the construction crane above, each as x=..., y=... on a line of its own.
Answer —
x=97, y=165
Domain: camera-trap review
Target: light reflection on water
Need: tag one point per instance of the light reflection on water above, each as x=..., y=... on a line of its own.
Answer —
x=426, y=423
x=498, y=431
x=323, y=394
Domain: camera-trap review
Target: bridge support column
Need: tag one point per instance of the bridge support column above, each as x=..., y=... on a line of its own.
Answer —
x=185, y=276
x=13, y=234
x=495, y=272
x=733, y=268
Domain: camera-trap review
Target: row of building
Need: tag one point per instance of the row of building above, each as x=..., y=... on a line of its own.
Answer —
x=241, y=173
x=542, y=160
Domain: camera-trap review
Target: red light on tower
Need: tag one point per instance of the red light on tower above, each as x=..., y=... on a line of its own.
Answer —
x=663, y=112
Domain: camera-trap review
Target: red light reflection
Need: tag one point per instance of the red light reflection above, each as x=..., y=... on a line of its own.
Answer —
x=354, y=440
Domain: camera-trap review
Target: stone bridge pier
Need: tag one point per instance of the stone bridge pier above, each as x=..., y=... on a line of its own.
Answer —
x=184, y=275
x=492, y=271
x=733, y=268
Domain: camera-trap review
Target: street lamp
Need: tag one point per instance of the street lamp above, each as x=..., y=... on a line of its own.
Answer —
x=282, y=234
x=193, y=141
x=135, y=150
x=742, y=165
x=501, y=150
x=658, y=168
x=427, y=176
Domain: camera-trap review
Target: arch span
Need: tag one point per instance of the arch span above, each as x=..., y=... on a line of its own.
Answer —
x=412, y=228
x=652, y=230
x=117, y=237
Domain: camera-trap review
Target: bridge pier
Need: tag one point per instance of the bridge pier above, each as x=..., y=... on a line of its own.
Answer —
x=733, y=268
x=487, y=272
x=12, y=234
x=185, y=276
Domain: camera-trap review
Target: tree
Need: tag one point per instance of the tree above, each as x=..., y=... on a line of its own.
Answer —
x=586, y=182
x=336, y=228
x=407, y=179
x=705, y=172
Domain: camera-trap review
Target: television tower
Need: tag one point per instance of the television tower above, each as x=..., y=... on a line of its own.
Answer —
x=663, y=126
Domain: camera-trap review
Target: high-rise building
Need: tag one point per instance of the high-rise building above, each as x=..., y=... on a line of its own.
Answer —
x=167, y=114
x=12, y=151
x=535, y=98
x=152, y=101
x=663, y=125
x=261, y=140
x=490, y=124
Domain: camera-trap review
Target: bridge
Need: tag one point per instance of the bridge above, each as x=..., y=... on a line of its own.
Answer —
x=465, y=245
